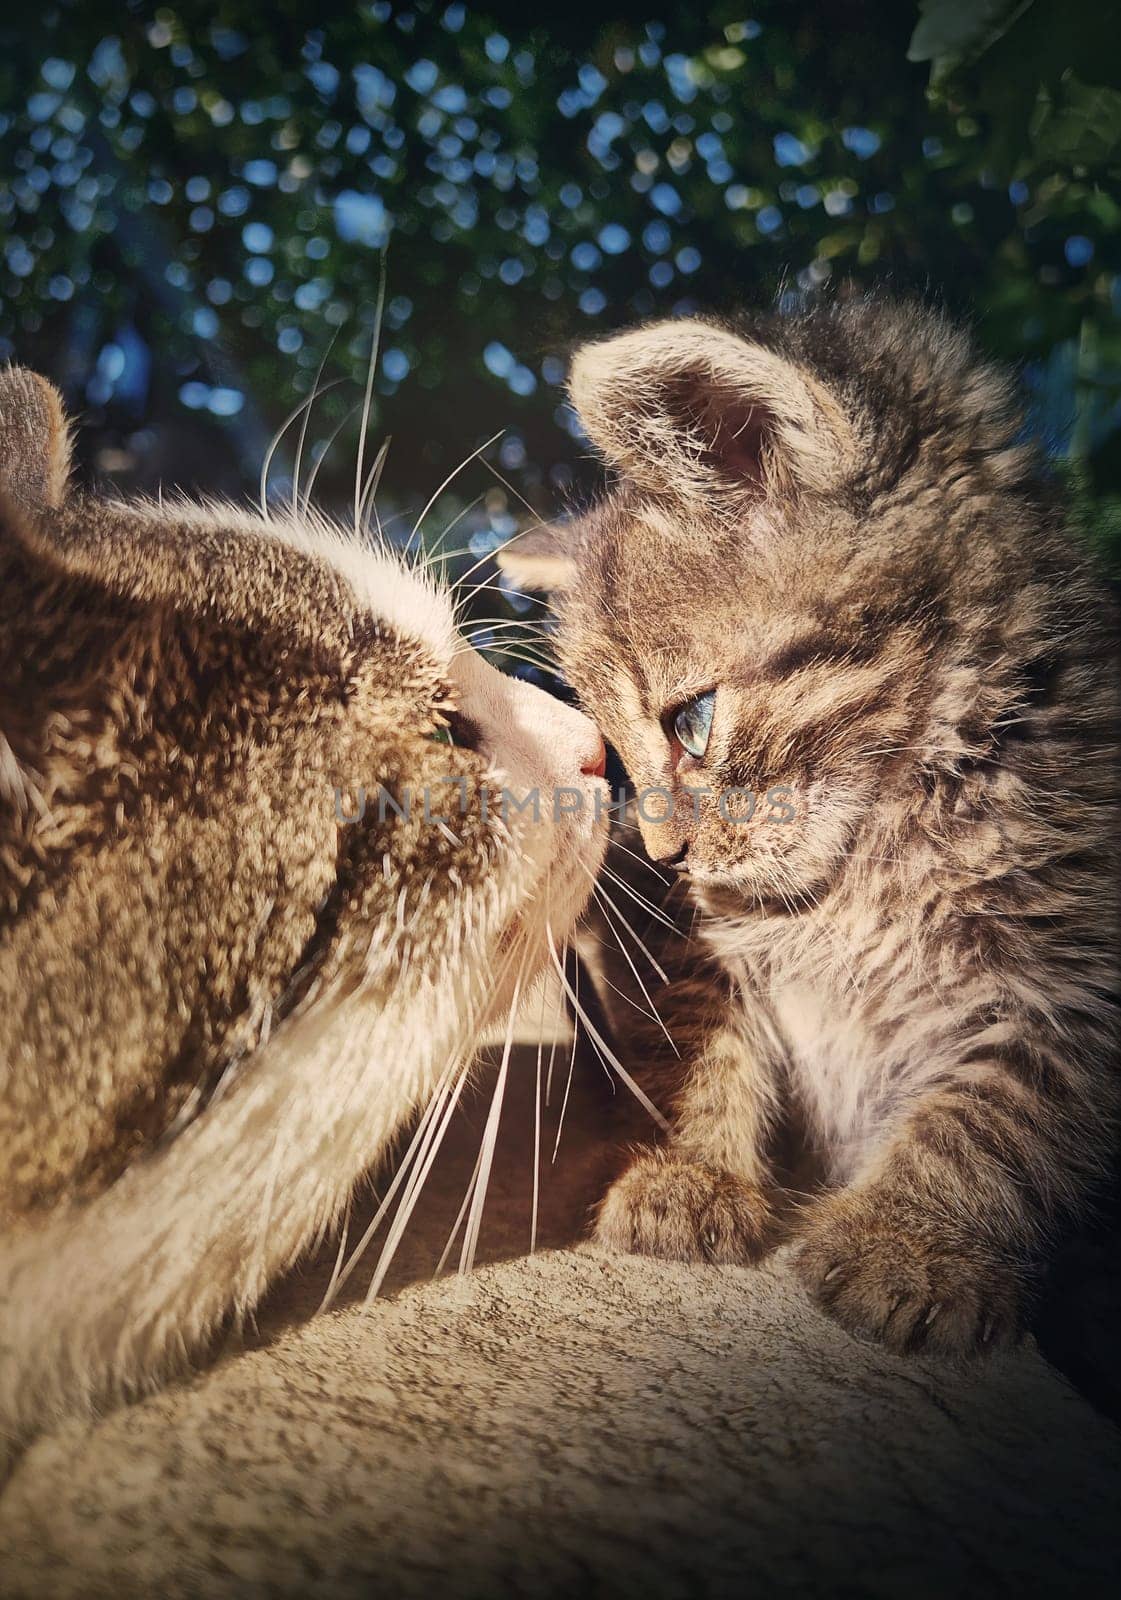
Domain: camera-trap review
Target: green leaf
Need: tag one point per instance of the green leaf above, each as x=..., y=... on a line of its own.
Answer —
x=961, y=30
x=1080, y=125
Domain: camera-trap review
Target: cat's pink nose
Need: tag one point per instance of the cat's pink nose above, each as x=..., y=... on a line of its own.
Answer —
x=595, y=766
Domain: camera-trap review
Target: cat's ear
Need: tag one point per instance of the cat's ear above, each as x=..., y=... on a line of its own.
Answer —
x=541, y=559
x=695, y=409
x=200, y=561
x=34, y=441
x=210, y=564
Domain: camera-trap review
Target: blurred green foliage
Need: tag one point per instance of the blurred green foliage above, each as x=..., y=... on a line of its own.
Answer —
x=196, y=198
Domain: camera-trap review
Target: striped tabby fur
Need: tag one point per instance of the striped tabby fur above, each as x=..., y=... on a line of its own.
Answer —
x=834, y=521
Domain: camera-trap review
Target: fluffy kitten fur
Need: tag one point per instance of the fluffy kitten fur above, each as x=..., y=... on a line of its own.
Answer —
x=834, y=521
x=218, y=1003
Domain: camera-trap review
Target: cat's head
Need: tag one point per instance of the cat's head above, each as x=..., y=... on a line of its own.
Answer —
x=754, y=611
x=245, y=763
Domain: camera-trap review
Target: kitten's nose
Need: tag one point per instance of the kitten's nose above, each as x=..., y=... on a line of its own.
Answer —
x=594, y=765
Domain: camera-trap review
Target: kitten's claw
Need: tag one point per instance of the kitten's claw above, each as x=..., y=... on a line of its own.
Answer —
x=880, y=1268
x=683, y=1212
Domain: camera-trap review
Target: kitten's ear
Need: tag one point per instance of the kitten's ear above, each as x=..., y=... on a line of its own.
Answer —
x=34, y=441
x=542, y=559
x=693, y=408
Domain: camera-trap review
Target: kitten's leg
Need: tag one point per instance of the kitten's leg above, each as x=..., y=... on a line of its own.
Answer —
x=939, y=1243
x=702, y=1197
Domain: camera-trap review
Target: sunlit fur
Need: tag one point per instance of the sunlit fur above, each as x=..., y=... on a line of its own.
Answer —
x=835, y=522
x=219, y=1002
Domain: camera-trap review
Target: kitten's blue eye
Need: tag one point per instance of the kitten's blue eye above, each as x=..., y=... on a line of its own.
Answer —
x=693, y=724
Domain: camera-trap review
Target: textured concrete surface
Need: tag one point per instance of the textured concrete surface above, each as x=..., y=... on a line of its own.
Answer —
x=569, y=1425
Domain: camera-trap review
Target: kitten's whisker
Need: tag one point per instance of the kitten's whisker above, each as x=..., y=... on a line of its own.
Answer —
x=561, y=1011
x=619, y=822
x=489, y=556
x=506, y=484
x=501, y=588
x=657, y=966
x=643, y=861
x=571, y=1058
x=460, y=1214
x=508, y=622
x=511, y=655
x=639, y=899
x=586, y=933
x=488, y=637
x=634, y=970
x=640, y=1095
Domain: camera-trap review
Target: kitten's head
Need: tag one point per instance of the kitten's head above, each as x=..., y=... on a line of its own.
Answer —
x=759, y=606
x=245, y=764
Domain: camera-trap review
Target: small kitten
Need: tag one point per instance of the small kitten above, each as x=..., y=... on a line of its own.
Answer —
x=226, y=984
x=831, y=611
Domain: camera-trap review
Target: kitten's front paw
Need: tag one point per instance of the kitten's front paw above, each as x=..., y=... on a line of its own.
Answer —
x=682, y=1212
x=888, y=1270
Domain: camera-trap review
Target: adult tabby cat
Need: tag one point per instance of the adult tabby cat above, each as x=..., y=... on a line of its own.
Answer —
x=830, y=567
x=220, y=996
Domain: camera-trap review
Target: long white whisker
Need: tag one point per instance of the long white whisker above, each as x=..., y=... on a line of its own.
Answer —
x=304, y=405
x=331, y=437
x=510, y=653
x=571, y=1066
x=370, y=489
x=416, y=1143
x=499, y=978
x=643, y=861
x=490, y=554
x=627, y=999
x=460, y=1214
x=432, y=499
x=561, y=1012
x=643, y=948
x=509, y=622
x=640, y=1095
x=634, y=970
x=368, y=395
x=537, y=1121
x=647, y=905
x=329, y=1293
x=307, y=418
x=421, y=1168
x=440, y=554
x=506, y=484
x=490, y=1134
